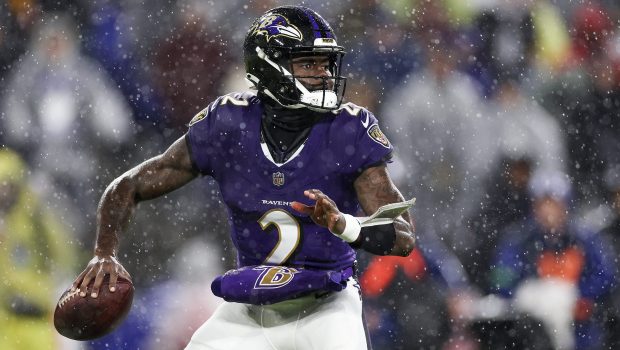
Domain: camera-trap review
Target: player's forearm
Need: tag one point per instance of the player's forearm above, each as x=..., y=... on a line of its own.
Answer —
x=375, y=189
x=114, y=213
x=151, y=179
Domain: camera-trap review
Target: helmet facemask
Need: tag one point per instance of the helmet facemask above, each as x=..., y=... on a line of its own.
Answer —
x=278, y=37
x=288, y=89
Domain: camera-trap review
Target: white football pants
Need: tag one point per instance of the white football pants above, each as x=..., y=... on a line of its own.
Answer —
x=308, y=323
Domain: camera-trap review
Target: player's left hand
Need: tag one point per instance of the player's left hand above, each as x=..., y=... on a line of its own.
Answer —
x=324, y=212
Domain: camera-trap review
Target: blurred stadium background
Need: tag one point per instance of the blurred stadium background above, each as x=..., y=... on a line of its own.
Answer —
x=493, y=106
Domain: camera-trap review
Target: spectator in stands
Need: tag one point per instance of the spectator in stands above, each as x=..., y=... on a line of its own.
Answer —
x=506, y=201
x=412, y=297
x=382, y=51
x=35, y=252
x=66, y=117
x=522, y=128
x=17, y=18
x=586, y=98
x=111, y=36
x=553, y=269
x=592, y=125
x=190, y=65
x=503, y=43
x=612, y=233
x=443, y=141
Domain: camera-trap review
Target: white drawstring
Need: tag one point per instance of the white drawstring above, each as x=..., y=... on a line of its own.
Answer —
x=295, y=331
x=262, y=309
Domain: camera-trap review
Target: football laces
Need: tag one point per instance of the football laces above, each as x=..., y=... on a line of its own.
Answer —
x=68, y=297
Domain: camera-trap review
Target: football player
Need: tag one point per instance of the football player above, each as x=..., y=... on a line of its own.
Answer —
x=294, y=165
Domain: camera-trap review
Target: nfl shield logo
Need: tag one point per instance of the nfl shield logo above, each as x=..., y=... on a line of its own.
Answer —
x=278, y=178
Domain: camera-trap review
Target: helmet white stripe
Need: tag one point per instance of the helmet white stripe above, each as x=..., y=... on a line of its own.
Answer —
x=321, y=99
x=262, y=55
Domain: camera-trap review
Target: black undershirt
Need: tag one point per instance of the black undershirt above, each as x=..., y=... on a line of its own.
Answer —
x=284, y=130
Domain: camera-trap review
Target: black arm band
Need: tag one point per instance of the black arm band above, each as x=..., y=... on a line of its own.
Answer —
x=378, y=240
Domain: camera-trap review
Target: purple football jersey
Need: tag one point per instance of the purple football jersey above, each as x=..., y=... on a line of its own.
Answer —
x=225, y=143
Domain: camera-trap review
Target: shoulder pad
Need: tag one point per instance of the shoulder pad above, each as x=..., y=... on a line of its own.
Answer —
x=199, y=116
x=239, y=99
x=350, y=109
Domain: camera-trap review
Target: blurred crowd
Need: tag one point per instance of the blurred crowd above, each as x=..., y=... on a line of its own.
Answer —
x=505, y=117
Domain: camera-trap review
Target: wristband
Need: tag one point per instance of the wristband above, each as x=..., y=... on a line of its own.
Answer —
x=378, y=240
x=351, y=230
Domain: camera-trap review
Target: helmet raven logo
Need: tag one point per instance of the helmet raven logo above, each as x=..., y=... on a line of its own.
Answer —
x=272, y=25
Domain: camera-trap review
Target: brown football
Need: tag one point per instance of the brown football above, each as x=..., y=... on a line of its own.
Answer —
x=84, y=318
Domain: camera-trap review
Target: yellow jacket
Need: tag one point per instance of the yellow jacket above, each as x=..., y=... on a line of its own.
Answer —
x=35, y=254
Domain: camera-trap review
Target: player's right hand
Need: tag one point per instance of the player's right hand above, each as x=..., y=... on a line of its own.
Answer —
x=324, y=212
x=98, y=267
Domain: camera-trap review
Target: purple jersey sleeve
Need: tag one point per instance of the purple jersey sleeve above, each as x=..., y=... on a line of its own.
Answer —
x=214, y=132
x=370, y=147
x=199, y=137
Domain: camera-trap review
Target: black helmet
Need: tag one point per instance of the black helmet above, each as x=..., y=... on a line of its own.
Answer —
x=282, y=34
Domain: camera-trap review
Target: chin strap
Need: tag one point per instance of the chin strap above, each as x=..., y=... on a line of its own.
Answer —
x=320, y=98
x=324, y=99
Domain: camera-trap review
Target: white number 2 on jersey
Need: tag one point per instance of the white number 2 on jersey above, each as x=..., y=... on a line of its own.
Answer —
x=289, y=234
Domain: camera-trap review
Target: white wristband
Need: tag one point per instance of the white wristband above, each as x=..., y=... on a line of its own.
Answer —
x=351, y=230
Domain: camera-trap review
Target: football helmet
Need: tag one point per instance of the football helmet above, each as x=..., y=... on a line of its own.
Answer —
x=282, y=34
